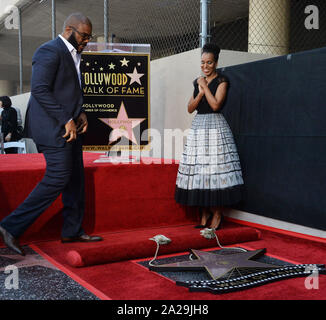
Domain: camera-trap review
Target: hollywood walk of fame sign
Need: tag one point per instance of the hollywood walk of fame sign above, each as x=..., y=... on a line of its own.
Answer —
x=236, y=271
x=116, y=100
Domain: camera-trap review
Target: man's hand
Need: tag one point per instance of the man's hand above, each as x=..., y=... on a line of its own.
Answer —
x=82, y=123
x=71, y=131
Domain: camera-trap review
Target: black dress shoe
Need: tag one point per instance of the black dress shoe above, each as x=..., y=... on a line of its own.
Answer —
x=11, y=242
x=82, y=238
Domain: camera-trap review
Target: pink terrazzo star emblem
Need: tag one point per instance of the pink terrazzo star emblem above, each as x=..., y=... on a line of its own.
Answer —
x=122, y=125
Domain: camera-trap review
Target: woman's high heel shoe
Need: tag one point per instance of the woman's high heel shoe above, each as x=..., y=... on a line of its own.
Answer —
x=202, y=226
x=220, y=223
x=199, y=226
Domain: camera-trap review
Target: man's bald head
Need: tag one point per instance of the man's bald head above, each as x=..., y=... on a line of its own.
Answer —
x=77, y=29
x=75, y=19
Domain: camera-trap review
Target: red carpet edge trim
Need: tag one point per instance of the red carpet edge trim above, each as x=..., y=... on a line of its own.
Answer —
x=282, y=231
x=72, y=275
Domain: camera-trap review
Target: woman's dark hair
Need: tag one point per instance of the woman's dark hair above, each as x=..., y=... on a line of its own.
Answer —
x=6, y=101
x=212, y=48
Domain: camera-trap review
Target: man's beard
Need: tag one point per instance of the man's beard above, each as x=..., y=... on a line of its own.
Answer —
x=74, y=43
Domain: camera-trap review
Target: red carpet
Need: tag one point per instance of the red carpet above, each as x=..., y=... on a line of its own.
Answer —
x=120, y=198
x=128, y=204
x=127, y=280
x=135, y=244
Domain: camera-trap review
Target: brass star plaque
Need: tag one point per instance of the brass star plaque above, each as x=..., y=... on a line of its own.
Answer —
x=218, y=265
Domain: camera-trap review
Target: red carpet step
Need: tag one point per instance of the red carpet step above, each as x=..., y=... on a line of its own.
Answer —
x=118, y=197
x=126, y=203
x=135, y=244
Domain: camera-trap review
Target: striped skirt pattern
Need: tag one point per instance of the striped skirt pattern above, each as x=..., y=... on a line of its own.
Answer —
x=209, y=173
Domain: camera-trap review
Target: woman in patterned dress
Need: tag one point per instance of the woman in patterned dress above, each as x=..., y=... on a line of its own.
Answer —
x=209, y=174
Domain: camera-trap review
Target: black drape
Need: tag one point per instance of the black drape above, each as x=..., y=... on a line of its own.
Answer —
x=276, y=109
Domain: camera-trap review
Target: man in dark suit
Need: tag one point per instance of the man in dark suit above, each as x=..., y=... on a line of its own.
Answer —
x=55, y=120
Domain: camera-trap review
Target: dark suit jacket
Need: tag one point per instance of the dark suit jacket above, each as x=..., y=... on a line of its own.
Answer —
x=56, y=96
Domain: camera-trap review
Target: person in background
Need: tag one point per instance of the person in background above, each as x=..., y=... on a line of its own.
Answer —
x=209, y=174
x=9, y=123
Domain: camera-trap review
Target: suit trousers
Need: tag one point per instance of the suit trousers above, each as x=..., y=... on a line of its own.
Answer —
x=64, y=174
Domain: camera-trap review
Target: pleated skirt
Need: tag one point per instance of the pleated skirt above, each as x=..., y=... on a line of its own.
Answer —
x=209, y=173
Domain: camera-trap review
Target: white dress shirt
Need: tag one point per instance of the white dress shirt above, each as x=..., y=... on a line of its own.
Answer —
x=75, y=56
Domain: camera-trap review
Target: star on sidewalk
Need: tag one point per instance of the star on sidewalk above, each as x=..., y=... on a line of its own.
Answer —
x=30, y=260
x=217, y=265
x=122, y=125
x=135, y=76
